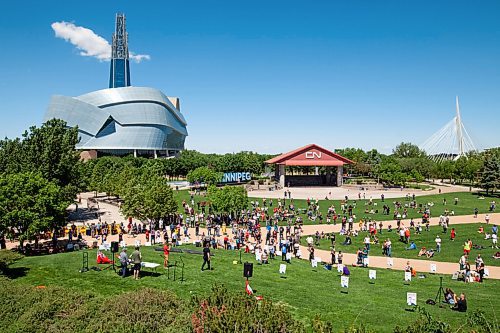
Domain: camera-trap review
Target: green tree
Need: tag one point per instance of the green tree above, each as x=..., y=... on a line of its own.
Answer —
x=147, y=197
x=30, y=204
x=490, y=178
x=407, y=149
x=228, y=199
x=49, y=150
x=204, y=174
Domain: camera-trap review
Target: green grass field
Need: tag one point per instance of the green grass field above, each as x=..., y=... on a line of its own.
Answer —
x=306, y=291
x=450, y=250
x=466, y=204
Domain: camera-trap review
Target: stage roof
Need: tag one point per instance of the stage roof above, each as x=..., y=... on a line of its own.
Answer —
x=310, y=155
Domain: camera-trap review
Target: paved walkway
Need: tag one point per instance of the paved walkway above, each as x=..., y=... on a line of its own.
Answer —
x=338, y=193
x=110, y=213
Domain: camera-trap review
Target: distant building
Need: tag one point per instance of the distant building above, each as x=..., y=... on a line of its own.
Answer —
x=123, y=119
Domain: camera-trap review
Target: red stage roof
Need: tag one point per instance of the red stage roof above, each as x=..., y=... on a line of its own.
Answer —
x=310, y=155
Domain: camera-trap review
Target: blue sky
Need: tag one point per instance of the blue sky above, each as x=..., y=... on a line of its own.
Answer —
x=270, y=76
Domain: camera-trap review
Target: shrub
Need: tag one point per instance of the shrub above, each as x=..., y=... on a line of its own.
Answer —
x=8, y=257
x=222, y=311
x=143, y=310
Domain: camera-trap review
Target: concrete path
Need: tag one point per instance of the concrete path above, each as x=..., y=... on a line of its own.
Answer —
x=338, y=193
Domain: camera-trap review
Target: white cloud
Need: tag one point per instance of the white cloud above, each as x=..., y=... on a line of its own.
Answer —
x=88, y=42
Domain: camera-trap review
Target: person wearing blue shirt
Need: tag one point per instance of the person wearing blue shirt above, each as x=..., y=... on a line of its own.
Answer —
x=283, y=252
x=412, y=246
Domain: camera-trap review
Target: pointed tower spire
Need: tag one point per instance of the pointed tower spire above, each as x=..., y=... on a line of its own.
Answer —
x=119, y=75
x=460, y=136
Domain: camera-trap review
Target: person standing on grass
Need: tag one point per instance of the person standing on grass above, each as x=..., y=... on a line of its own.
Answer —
x=136, y=258
x=123, y=262
x=438, y=243
x=206, y=257
x=453, y=234
x=166, y=253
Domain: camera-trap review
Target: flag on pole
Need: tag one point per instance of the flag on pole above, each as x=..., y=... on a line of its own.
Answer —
x=248, y=289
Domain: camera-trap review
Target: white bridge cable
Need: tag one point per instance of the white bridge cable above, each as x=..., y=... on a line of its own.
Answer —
x=450, y=142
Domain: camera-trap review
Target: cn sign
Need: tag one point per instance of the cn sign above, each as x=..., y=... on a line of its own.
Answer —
x=313, y=155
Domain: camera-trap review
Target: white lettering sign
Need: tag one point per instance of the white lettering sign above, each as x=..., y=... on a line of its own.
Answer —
x=233, y=177
x=313, y=155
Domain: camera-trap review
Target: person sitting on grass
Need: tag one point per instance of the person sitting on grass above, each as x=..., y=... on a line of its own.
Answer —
x=428, y=253
x=412, y=246
x=347, y=241
x=449, y=296
x=102, y=259
x=460, y=303
x=496, y=255
x=345, y=271
x=480, y=230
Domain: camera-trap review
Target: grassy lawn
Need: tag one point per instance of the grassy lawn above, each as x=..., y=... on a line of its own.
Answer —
x=450, y=250
x=466, y=204
x=380, y=306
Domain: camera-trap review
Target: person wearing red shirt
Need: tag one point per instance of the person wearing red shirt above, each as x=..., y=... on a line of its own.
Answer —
x=166, y=253
x=452, y=234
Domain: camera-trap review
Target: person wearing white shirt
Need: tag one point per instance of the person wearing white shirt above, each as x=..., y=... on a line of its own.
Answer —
x=438, y=243
x=367, y=242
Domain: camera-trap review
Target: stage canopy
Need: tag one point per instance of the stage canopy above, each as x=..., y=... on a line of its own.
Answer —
x=310, y=155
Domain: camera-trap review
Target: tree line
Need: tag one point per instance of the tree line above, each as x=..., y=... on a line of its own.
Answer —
x=409, y=163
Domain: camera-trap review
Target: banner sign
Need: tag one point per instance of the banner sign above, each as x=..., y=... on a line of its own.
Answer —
x=236, y=177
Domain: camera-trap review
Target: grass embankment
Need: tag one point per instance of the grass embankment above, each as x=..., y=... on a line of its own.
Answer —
x=306, y=291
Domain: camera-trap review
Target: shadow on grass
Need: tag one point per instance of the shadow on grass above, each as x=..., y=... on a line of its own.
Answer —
x=16, y=272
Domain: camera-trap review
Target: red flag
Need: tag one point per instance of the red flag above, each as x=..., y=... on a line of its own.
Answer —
x=248, y=289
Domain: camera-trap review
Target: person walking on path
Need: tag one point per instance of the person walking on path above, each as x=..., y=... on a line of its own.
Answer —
x=206, y=257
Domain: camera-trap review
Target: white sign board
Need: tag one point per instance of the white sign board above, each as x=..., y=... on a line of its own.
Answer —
x=282, y=269
x=340, y=268
x=314, y=263
x=288, y=256
x=411, y=299
x=344, y=281
x=390, y=262
x=372, y=274
x=486, y=272
x=407, y=276
x=433, y=268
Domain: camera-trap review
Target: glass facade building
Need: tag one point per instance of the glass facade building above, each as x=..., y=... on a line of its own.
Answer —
x=123, y=119
x=127, y=120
